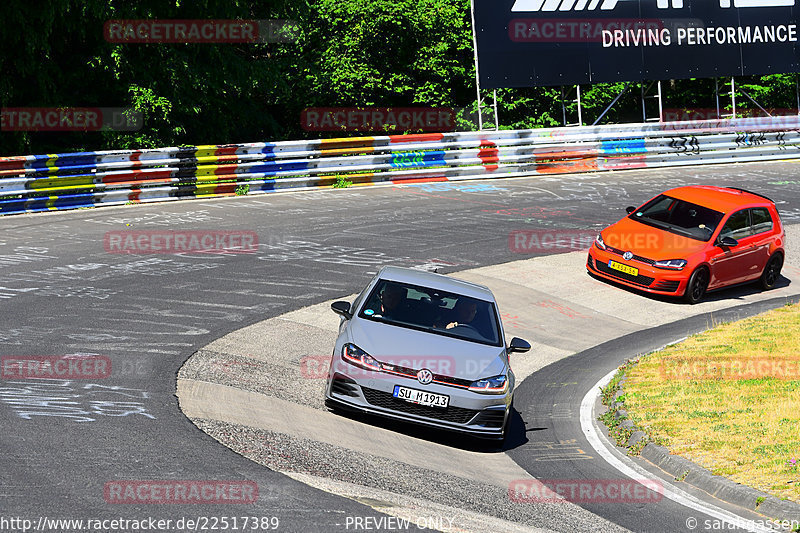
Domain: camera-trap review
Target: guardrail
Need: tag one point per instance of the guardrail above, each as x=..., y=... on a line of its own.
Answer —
x=70, y=181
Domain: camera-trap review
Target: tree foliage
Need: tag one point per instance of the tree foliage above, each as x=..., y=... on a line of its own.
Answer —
x=343, y=53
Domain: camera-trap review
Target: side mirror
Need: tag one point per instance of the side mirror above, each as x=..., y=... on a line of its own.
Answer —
x=518, y=345
x=630, y=209
x=727, y=242
x=342, y=309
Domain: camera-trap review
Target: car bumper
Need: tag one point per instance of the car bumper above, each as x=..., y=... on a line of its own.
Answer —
x=471, y=413
x=649, y=279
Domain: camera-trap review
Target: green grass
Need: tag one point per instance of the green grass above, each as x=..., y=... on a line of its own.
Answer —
x=743, y=424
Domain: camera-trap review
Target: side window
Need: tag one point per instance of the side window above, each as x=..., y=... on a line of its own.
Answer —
x=762, y=221
x=361, y=297
x=737, y=226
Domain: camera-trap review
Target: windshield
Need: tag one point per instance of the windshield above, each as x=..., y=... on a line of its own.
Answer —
x=433, y=311
x=679, y=216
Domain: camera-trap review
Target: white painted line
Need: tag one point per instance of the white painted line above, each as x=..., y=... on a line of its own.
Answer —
x=634, y=471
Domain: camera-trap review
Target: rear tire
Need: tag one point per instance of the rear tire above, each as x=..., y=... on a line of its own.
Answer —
x=698, y=283
x=771, y=272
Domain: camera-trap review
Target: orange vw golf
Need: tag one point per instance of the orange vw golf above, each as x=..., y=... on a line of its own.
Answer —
x=690, y=240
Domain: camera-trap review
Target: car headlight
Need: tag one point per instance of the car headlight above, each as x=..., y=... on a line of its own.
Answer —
x=495, y=385
x=356, y=356
x=598, y=241
x=672, y=264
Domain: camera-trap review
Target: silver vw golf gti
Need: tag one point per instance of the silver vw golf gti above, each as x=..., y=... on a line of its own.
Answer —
x=424, y=348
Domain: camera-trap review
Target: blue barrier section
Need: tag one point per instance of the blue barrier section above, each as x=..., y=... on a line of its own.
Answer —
x=625, y=146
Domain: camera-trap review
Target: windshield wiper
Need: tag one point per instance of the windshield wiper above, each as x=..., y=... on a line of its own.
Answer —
x=682, y=231
x=652, y=222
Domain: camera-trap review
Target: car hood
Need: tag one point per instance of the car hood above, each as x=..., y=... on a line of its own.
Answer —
x=418, y=349
x=650, y=242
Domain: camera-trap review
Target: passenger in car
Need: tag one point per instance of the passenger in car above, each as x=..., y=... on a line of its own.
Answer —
x=394, y=303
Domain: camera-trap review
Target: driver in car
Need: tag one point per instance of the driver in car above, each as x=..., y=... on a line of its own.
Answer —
x=463, y=313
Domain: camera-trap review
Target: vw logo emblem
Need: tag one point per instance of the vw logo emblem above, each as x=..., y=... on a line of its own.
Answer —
x=424, y=376
x=627, y=256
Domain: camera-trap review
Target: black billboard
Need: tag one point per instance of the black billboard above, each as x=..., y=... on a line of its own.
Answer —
x=524, y=43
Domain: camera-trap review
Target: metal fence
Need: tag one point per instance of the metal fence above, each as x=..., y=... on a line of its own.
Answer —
x=70, y=181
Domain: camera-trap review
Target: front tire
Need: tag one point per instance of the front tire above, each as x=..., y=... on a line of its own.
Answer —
x=771, y=272
x=698, y=283
x=507, y=427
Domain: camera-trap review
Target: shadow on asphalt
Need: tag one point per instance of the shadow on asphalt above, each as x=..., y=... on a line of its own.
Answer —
x=734, y=292
x=516, y=433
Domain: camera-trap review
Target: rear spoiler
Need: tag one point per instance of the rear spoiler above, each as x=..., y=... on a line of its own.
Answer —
x=751, y=192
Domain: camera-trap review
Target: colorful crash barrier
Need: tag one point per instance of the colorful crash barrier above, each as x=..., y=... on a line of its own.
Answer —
x=89, y=179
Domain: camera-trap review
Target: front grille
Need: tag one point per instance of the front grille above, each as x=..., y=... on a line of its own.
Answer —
x=446, y=380
x=492, y=418
x=667, y=286
x=457, y=382
x=590, y=262
x=457, y=415
x=644, y=281
x=635, y=257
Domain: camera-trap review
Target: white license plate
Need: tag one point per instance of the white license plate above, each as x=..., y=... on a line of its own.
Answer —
x=421, y=397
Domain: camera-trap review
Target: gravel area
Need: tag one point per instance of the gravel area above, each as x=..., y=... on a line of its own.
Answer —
x=277, y=378
x=290, y=454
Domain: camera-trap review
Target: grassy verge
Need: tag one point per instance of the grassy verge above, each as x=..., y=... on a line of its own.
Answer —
x=728, y=399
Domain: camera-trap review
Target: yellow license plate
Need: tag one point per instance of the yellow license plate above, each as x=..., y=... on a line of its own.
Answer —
x=623, y=268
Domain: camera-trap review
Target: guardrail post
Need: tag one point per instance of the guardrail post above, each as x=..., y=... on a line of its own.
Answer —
x=656, y=96
x=732, y=95
x=577, y=100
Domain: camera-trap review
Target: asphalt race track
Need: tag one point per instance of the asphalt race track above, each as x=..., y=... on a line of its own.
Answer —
x=62, y=293
x=581, y=372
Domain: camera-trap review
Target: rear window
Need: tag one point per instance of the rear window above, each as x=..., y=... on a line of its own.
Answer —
x=762, y=220
x=433, y=311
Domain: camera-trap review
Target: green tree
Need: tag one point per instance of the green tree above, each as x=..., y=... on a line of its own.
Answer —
x=342, y=53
